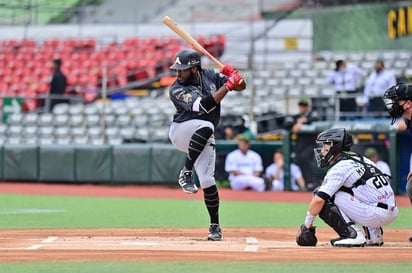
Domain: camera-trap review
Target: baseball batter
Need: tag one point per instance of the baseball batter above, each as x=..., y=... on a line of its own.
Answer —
x=398, y=101
x=196, y=95
x=354, y=191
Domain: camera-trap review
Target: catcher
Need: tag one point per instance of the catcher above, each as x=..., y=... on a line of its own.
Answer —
x=353, y=191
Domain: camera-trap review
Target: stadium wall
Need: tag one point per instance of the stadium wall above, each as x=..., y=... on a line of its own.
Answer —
x=159, y=163
x=360, y=27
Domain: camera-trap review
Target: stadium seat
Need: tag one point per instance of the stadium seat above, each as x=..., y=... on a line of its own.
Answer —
x=14, y=119
x=127, y=133
x=77, y=120
x=93, y=120
x=46, y=140
x=83, y=139
x=30, y=131
x=61, y=120
x=45, y=119
x=78, y=131
x=45, y=131
x=61, y=108
x=63, y=140
x=14, y=130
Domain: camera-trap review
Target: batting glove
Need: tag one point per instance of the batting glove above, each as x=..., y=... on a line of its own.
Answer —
x=227, y=70
x=233, y=80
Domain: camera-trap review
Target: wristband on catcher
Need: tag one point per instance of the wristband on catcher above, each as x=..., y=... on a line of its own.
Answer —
x=309, y=218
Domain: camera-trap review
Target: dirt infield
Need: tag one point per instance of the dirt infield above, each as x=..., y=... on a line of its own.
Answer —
x=239, y=244
x=256, y=244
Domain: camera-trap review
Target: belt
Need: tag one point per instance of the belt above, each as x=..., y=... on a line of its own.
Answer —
x=385, y=206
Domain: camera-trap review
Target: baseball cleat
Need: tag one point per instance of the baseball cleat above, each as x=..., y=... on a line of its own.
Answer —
x=358, y=241
x=186, y=181
x=215, y=233
x=410, y=239
x=377, y=241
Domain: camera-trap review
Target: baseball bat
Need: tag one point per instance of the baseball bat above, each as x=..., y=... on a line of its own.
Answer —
x=188, y=38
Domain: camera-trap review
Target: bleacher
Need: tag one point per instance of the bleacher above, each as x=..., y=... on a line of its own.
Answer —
x=25, y=71
x=144, y=119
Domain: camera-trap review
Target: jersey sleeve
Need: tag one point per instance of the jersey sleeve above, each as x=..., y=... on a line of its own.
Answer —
x=182, y=97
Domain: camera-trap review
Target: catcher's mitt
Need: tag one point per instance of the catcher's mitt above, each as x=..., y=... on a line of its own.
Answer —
x=306, y=236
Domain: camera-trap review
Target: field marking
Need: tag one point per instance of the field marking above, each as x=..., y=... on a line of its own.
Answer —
x=141, y=243
x=35, y=247
x=252, y=244
x=48, y=240
x=30, y=211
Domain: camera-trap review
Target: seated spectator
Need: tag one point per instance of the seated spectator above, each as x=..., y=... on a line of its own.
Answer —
x=372, y=154
x=245, y=167
x=240, y=128
x=274, y=173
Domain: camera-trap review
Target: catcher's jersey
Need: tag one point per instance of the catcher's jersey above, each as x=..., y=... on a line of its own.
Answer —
x=183, y=97
x=375, y=187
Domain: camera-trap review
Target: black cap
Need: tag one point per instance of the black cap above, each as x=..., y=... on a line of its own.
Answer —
x=186, y=59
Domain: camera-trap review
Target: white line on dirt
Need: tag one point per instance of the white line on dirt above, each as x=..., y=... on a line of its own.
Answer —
x=252, y=244
x=251, y=240
x=141, y=243
x=50, y=239
x=34, y=247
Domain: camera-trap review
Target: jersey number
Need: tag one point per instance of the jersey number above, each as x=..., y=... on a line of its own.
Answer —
x=380, y=181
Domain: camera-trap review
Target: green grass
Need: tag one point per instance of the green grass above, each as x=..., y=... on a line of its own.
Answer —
x=201, y=267
x=103, y=212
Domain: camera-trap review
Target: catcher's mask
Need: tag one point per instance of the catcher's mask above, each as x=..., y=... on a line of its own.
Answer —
x=393, y=95
x=331, y=142
x=186, y=59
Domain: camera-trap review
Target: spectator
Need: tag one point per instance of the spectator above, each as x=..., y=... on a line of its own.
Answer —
x=58, y=84
x=372, y=154
x=274, y=172
x=376, y=84
x=240, y=128
x=245, y=167
x=305, y=142
x=346, y=79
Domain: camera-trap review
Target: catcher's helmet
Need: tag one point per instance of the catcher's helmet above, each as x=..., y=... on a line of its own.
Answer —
x=393, y=95
x=186, y=59
x=331, y=143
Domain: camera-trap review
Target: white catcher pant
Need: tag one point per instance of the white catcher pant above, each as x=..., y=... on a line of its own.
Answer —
x=180, y=135
x=363, y=214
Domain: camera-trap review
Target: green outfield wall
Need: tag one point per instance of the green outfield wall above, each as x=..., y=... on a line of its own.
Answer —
x=358, y=27
x=160, y=163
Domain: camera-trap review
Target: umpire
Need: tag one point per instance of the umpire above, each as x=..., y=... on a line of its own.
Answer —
x=196, y=95
x=398, y=101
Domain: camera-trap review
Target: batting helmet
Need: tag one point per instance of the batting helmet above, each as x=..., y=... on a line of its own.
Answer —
x=337, y=140
x=186, y=59
x=392, y=97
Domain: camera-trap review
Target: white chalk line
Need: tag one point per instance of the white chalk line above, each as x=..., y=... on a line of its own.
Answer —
x=48, y=240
